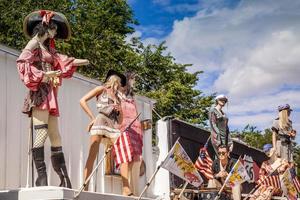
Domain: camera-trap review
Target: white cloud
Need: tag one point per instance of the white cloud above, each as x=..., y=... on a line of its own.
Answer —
x=251, y=52
x=146, y=41
x=260, y=120
x=136, y=34
x=267, y=68
x=265, y=103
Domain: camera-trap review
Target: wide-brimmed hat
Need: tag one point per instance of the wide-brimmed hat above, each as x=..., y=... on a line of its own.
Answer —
x=113, y=72
x=47, y=16
x=284, y=107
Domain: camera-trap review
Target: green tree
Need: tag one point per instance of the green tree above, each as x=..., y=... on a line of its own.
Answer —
x=297, y=158
x=99, y=29
x=254, y=137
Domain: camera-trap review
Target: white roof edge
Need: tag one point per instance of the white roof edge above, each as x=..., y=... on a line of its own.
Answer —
x=146, y=99
x=9, y=50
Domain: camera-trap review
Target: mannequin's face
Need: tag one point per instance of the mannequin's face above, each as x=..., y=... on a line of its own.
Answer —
x=223, y=153
x=270, y=153
x=131, y=81
x=222, y=102
x=52, y=33
x=122, y=89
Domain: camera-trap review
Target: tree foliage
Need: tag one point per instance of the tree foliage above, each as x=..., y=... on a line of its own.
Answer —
x=297, y=158
x=254, y=137
x=99, y=31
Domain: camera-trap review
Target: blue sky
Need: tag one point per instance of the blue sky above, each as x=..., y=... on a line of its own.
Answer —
x=248, y=50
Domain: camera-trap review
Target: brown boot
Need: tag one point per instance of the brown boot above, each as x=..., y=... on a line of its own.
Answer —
x=59, y=166
x=38, y=157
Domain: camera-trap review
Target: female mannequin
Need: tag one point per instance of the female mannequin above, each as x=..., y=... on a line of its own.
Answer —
x=106, y=123
x=41, y=69
x=219, y=124
x=131, y=169
x=283, y=133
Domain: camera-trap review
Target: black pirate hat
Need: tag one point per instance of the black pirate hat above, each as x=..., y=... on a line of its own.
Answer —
x=113, y=72
x=45, y=16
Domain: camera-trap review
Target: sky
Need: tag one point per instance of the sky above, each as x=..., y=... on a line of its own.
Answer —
x=249, y=50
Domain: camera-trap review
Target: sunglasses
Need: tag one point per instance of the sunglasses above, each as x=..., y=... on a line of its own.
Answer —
x=223, y=100
x=222, y=153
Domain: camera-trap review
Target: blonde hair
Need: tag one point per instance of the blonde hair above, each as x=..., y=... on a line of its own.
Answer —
x=283, y=119
x=113, y=82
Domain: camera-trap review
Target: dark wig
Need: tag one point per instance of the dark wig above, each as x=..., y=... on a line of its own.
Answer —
x=130, y=90
x=41, y=29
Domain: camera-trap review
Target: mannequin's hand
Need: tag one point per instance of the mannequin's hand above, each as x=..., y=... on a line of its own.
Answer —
x=117, y=107
x=90, y=125
x=86, y=62
x=222, y=174
x=293, y=133
x=81, y=62
x=52, y=74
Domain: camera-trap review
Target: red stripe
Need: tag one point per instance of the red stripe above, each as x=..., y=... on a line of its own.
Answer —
x=273, y=181
x=297, y=184
x=204, y=165
x=124, y=149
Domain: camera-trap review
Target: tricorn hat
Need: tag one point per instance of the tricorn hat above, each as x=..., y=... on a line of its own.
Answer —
x=113, y=72
x=47, y=16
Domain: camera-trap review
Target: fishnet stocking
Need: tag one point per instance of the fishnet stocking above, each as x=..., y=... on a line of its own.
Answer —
x=40, y=137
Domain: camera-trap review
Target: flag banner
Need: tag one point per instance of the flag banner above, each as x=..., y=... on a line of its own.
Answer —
x=251, y=167
x=204, y=163
x=295, y=179
x=237, y=175
x=287, y=185
x=178, y=162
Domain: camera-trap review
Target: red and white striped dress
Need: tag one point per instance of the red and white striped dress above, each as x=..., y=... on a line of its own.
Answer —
x=129, y=145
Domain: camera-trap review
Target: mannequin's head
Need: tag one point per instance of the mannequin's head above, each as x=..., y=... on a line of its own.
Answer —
x=221, y=100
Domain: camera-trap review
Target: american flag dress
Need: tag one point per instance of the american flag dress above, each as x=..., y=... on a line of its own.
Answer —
x=129, y=145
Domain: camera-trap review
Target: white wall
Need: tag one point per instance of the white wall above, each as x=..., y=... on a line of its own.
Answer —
x=163, y=176
x=14, y=128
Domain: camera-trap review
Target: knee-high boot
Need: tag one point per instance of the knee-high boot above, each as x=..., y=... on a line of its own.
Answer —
x=59, y=165
x=38, y=157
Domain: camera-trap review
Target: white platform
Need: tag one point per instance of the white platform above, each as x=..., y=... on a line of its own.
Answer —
x=57, y=193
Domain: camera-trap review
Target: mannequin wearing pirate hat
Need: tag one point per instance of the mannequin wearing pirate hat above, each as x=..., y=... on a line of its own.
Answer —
x=42, y=69
x=106, y=123
x=283, y=133
x=218, y=121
